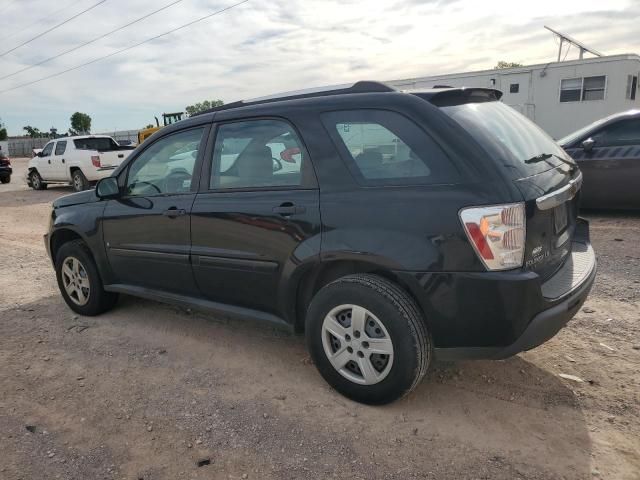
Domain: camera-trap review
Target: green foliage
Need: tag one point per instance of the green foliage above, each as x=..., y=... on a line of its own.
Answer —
x=3, y=133
x=502, y=64
x=80, y=124
x=32, y=131
x=202, y=106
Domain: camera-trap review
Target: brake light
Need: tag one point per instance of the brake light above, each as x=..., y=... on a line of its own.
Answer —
x=95, y=159
x=497, y=234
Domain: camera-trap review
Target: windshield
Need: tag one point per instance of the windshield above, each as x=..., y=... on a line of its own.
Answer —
x=523, y=147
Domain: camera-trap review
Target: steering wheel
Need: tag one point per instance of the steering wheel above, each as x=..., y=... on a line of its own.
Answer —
x=277, y=164
x=147, y=183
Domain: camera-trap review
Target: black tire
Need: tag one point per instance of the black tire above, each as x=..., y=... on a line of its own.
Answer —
x=78, y=181
x=400, y=316
x=5, y=179
x=36, y=181
x=99, y=301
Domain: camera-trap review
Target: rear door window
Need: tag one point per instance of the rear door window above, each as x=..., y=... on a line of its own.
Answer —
x=61, y=147
x=382, y=147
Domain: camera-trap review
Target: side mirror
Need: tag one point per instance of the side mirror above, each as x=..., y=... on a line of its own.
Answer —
x=108, y=188
x=39, y=154
x=588, y=144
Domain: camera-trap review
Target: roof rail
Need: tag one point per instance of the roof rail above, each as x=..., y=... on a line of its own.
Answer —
x=363, y=86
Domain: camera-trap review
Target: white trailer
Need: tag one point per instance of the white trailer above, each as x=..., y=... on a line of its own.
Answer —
x=561, y=97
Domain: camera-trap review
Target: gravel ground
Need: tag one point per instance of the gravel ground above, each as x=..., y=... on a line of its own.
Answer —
x=150, y=391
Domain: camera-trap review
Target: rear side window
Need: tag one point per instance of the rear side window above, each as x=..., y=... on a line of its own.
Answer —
x=100, y=144
x=61, y=147
x=385, y=148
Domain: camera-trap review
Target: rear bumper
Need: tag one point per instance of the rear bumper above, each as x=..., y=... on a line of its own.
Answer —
x=495, y=315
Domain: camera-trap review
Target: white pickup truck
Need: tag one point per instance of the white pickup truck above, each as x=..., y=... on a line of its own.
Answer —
x=79, y=161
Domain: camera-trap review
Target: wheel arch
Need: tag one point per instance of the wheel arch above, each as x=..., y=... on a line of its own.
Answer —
x=326, y=272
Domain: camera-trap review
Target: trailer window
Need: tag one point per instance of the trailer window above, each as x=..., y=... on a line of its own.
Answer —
x=582, y=89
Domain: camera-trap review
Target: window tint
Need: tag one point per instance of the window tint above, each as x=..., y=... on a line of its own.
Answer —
x=46, y=151
x=166, y=166
x=100, y=144
x=626, y=132
x=384, y=147
x=61, y=147
x=257, y=153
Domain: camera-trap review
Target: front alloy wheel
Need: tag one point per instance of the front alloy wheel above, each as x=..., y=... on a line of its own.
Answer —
x=76, y=281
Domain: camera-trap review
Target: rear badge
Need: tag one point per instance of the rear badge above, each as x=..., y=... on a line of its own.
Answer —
x=537, y=256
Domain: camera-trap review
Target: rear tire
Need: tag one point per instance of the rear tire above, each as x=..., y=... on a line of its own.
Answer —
x=79, y=281
x=79, y=181
x=5, y=179
x=36, y=181
x=351, y=322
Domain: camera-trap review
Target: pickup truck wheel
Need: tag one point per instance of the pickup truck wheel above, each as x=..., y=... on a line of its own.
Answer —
x=5, y=179
x=36, y=181
x=368, y=338
x=79, y=181
x=79, y=281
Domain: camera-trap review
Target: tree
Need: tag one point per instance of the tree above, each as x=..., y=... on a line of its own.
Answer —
x=202, y=106
x=32, y=131
x=80, y=123
x=3, y=131
x=502, y=64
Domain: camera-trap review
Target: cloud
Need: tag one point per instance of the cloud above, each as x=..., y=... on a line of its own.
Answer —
x=265, y=47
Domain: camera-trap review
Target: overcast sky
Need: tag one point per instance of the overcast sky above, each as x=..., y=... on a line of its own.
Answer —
x=263, y=47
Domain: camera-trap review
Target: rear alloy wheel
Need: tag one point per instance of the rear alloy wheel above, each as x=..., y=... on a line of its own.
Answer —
x=36, y=181
x=79, y=281
x=79, y=181
x=5, y=179
x=368, y=338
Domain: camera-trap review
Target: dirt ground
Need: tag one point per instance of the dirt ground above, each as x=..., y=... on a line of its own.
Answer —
x=150, y=391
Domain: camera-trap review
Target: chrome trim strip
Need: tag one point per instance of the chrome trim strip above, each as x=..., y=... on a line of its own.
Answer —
x=553, y=199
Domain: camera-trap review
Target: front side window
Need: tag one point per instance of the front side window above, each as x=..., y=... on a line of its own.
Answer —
x=582, y=89
x=383, y=147
x=46, y=151
x=257, y=154
x=625, y=132
x=61, y=147
x=166, y=167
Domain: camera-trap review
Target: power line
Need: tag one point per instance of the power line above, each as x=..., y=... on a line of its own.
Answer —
x=52, y=28
x=26, y=27
x=95, y=60
x=90, y=41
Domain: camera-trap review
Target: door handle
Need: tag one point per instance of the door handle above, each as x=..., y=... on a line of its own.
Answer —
x=174, y=212
x=121, y=155
x=287, y=209
x=63, y=160
x=49, y=162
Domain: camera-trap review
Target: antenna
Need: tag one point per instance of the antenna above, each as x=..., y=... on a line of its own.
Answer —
x=566, y=38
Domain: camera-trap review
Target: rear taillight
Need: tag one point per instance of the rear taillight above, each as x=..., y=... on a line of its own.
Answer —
x=497, y=234
x=95, y=159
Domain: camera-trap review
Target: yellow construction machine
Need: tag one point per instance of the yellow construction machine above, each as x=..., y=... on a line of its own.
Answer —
x=167, y=119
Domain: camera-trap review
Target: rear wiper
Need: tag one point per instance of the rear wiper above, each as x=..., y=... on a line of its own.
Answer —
x=544, y=157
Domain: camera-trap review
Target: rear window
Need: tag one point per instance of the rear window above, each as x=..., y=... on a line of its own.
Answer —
x=100, y=144
x=385, y=148
x=523, y=147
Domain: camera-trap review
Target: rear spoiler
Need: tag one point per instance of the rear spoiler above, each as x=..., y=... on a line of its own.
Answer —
x=458, y=96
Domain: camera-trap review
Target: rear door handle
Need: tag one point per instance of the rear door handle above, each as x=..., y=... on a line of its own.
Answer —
x=121, y=155
x=288, y=209
x=174, y=212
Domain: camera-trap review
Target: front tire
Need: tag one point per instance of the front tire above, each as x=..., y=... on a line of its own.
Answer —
x=368, y=338
x=36, y=181
x=79, y=281
x=79, y=181
x=6, y=179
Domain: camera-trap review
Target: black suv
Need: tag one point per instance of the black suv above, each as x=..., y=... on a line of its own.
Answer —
x=390, y=227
